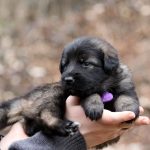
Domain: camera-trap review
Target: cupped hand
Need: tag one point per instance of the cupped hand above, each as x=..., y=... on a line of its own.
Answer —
x=15, y=134
x=107, y=128
x=94, y=132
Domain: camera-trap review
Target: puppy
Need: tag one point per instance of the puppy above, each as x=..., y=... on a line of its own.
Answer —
x=90, y=67
x=42, y=109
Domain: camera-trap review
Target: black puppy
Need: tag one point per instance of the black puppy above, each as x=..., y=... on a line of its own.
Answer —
x=90, y=67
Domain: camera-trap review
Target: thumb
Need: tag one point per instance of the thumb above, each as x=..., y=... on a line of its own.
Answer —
x=72, y=101
x=116, y=117
x=18, y=131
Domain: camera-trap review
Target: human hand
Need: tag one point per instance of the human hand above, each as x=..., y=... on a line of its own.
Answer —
x=107, y=128
x=15, y=134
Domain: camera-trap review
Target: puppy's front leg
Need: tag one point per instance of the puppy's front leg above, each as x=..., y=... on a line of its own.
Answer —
x=93, y=106
x=127, y=103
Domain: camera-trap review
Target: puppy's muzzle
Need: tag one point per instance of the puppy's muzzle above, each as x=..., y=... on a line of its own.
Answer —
x=69, y=80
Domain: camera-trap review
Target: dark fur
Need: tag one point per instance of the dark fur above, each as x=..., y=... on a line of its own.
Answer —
x=89, y=67
x=41, y=109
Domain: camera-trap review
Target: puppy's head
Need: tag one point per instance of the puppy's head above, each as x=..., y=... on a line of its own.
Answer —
x=86, y=64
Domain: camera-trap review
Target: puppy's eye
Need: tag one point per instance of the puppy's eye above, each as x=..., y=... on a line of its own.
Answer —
x=87, y=64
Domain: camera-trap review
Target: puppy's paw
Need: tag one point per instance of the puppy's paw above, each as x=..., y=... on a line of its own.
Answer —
x=67, y=128
x=129, y=107
x=125, y=103
x=134, y=108
x=71, y=127
x=93, y=106
x=94, y=112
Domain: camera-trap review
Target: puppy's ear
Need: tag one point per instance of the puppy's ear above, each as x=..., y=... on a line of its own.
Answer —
x=111, y=60
x=63, y=63
x=61, y=66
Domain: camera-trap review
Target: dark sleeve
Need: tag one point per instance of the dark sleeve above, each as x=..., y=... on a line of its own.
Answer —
x=41, y=142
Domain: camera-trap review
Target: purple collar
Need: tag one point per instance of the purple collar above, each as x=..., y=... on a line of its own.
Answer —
x=107, y=97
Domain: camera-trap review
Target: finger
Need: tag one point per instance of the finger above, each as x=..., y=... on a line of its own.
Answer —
x=117, y=117
x=16, y=133
x=142, y=120
x=18, y=130
x=72, y=101
x=141, y=109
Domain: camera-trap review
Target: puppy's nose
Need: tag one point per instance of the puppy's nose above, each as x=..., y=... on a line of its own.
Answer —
x=69, y=80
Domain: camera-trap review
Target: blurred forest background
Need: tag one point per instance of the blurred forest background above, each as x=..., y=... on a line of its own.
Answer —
x=34, y=32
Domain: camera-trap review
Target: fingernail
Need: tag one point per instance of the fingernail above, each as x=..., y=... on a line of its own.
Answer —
x=146, y=121
x=131, y=115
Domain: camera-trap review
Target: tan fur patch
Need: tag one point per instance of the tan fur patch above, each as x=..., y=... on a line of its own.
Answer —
x=48, y=118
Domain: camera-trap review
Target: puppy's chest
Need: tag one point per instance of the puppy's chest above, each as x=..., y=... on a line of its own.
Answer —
x=109, y=106
x=108, y=99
